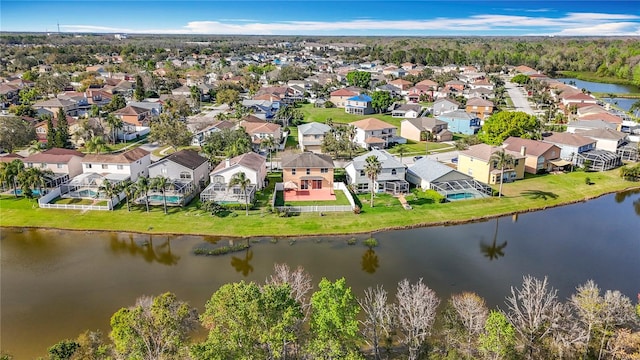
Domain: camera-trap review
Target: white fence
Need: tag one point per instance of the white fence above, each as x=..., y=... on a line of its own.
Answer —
x=44, y=201
x=317, y=208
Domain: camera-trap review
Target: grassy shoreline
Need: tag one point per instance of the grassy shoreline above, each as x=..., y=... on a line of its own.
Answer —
x=593, y=77
x=531, y=194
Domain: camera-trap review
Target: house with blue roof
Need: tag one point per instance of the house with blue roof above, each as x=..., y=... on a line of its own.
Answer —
x=359, y=105
x=459, y=121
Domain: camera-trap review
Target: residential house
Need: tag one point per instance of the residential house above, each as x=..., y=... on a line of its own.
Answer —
x=186, y=171
x=416, y=129
x=461, y=122
x=359, y=105
x=606, y=139
x=262, y=130
x=339, y=97
x=577, y=126
x=481, y=83
x=42, y=129
x=602, y=116
x=406, y=110
x=479, y=108
x=390, y=179
x=130, y=164
x=403, y=85
x=540, y=156
x=64, y=163
x=455, y=85
x=391, y=89
x=419, y=93
x=394, y=71
x=476, y=162
x=134, y=115
x=263, y=109
x=479, y=93
x=444, y=105
x=311, y=136
x=577, y=99
x=429, y=84
x=200, y=134
x=427, y=174
x=253, y=166
x=54, y=105
x=570, y=144
x=308, y=171
x=372, y=132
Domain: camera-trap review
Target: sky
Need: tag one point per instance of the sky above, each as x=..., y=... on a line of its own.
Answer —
x=331, y=18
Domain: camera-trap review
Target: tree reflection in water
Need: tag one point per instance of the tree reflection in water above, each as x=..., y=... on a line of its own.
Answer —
x=493, y=251
x=621, y=196
x=242, y=265
x=370, y=261
x=160, y=254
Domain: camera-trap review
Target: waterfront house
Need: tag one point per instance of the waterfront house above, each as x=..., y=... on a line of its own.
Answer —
x=606, y=139
x=570, y=144
x=391, y=178
x=64, y=163
x=308, y=173
x=447, y=181
x=540, y=156
x=253, y=166
x=187, y=172
x=476, y=162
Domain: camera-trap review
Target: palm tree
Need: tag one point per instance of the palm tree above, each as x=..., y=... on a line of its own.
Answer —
x=401, y=151
x=142, y=189
x=32, y=178
x=109, y=189
x=95, y=145
x=372, y=168
x=9, y=173
x=502, y=160
x=240, y=179
x=36, y=146
x=268, y=143
x=635, y=107
x=129, y=190
x=160, y=183
x=114, y=123
x=350, y=134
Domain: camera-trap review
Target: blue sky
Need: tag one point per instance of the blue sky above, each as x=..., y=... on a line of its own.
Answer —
x=348, y=17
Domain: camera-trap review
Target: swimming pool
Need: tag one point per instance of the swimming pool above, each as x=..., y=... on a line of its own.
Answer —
x=460, y=196
x=170, y=199
x=34, y=192
x=87, y=193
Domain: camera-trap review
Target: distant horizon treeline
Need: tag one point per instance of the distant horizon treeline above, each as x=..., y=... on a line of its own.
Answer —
x=284, y=319
x=612, y=57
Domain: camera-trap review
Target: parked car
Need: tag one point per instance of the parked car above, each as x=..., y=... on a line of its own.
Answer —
x=416, y=158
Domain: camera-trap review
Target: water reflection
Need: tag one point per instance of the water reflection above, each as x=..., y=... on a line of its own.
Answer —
x=370, y=261
x=495, y=250
x=622, y=196
x=242, y=265
x=160, y=253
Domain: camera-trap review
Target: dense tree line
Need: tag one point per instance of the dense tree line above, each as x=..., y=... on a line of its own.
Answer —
x=283, y=319
x=615, y=57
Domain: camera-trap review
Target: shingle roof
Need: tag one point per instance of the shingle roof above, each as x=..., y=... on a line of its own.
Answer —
x=483, y=152
x=432, y=170
x=249, y=160
x=262, y=128
x=122, y=158
x=603, y=134
x=314, y=128
x=387, y=160
x=425, y=123
x=533, y=147
x=54, y=155
x=187, y=158
x=479, y=102
x=568, y=139
x=372, y=124
x=307, y=160
x=130, y=110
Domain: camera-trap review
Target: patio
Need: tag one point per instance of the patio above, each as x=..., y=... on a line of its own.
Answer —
x=324, y=194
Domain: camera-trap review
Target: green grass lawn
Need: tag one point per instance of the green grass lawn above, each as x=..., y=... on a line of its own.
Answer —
x=534, y=192
x=413, y=148
x=338, y=115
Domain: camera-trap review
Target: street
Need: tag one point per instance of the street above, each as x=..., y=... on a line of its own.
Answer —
x=518, y=97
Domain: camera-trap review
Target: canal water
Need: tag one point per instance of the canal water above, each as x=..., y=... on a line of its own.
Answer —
x=606, y=88
x=56, y=284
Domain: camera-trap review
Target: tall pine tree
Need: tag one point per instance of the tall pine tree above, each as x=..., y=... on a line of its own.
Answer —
x=138, y=93
x=51, y=133
x=62, y=130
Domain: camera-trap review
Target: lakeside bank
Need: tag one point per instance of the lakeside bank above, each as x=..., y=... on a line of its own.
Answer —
x=531, y=194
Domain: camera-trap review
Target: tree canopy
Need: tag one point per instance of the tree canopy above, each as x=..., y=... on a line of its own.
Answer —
x=359, y=78
x=15, y=132
x=381, y=100
x=501, y=125
x=170, y=131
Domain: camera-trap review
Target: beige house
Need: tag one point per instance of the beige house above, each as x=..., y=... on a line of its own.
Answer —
x=480, y=108
x=372, y=132
x=539, y=155
x=339, y=97
x=476, y=162
x=260, y=130
x=308, y=171
x=416, y=129
x=64, y=163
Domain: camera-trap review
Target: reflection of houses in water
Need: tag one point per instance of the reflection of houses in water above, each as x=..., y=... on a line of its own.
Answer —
x=144, y=247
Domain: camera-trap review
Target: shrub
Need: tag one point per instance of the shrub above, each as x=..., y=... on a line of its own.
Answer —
x=329, y=104
x=371, y=242
x=357, y=210
x=587, y=180
x=352, y=241
x=221, y=250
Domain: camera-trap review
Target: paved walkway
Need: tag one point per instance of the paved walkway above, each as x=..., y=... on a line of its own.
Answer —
x=404, y=202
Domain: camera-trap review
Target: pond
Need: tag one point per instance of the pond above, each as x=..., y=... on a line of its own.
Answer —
x=622, y=103
x=56, y=284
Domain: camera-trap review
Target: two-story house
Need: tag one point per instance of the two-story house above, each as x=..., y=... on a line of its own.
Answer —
x=253, y=166
x=308, y=171
x=570, y=144
x=540, y=156
x=476, y=161
x=130, y=164
x=606, y=139
x=134, y=115
x=340, y=96
x=479, y=108
x=372, y=132
x=64, y=163
x=441, y=106
x=417, y=129
x=406, y=110
x=390, y=179
x=259, y=130
x=359, y=105
x=311, y=136
x=54, y=105
x=460, y=121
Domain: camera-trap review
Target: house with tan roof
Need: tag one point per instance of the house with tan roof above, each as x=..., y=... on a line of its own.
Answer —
x=372, y=132
x=476, y=162
x=570, y=144
x=134, y=115
x=606, y=139
x=576, y=99
x=416, y=129
x=130, y=164
x=540, y=156
x=428, y=83
x=64, y=163
x=479, y=108
x=340, y=96
x=253, y=166
x=403, y=85
x=262, y=130
x=55, y=104
x=308, y=172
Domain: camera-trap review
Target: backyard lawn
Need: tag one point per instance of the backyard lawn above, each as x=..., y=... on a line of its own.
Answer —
x=338, y=115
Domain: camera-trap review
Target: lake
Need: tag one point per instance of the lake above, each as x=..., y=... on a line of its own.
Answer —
x=56, y=284
x=622, y=103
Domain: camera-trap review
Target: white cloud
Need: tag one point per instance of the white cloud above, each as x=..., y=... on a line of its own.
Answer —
x=570, y=24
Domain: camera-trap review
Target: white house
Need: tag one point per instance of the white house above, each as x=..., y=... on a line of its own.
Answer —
x=129, y=164
x=372, y=132
x=390, y=179
x=251, y=164
x=311, y=136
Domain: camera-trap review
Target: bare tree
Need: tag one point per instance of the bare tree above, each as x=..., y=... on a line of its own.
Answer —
x=618, y=311
x=471, y=311
x=568, y=338
x=416, y=312
x=587, y=303
x=534, y=312
x=377, y=317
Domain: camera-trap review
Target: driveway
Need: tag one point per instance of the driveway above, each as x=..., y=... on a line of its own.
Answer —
x=518, y=98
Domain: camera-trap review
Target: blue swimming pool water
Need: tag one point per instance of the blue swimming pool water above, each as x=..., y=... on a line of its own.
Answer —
x=35, y=192
x=460, y=196
x=170, y=199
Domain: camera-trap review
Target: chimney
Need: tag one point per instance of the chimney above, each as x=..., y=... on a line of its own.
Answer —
x=523, y=150
x=227, y=163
